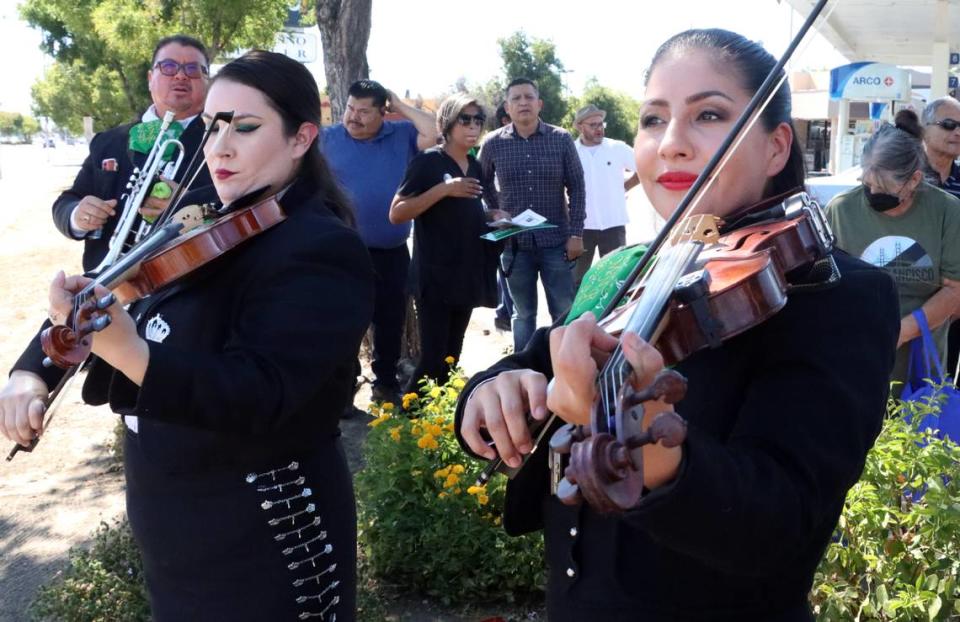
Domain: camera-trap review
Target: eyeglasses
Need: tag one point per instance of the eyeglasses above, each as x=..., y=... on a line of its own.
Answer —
x=171, y=68
x=596, y=126
x=466, y=119
x=948, y=124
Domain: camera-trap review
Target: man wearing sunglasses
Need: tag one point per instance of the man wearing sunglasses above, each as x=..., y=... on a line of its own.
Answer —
x=941, y=141
x=90, y=209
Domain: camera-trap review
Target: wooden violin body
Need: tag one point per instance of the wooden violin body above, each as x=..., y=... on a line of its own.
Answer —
x=133, y=278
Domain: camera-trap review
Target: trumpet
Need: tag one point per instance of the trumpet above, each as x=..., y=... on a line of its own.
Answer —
x=139, y=186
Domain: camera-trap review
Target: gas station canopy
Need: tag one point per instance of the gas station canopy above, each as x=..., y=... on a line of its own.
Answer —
x=898, y=32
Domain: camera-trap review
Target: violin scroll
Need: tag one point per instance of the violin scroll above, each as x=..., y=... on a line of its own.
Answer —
x=69, y=345
x=605, y=472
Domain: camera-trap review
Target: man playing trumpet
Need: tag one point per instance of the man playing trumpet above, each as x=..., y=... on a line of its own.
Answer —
x=90, y=209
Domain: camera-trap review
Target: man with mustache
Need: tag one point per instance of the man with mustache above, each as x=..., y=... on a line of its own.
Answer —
x=369, y=156
x=90, y=209
x=537, y=168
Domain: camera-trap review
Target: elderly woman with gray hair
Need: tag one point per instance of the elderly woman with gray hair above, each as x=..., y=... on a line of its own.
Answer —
x=452, y=270
x=898, y=221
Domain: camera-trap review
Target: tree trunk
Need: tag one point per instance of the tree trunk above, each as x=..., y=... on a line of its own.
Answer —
x=344, y=31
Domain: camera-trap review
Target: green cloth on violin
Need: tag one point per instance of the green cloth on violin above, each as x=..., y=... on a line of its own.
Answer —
x=144, y=135
x=603, y=279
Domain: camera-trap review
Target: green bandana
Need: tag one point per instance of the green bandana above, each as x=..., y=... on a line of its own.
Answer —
x=143, y=135
x=602, y=280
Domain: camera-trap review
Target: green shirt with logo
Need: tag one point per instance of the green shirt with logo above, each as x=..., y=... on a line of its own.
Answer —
x=918, y=249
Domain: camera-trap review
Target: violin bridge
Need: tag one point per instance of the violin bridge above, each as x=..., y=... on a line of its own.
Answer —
x=699, y=228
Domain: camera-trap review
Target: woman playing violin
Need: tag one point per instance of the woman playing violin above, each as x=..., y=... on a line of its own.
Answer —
x=734, y=520
x=231, y=383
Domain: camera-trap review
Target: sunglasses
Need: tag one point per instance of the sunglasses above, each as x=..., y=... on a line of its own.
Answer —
x=597, y=125
x=466, y=119
x=171, y=68
x=948, y=124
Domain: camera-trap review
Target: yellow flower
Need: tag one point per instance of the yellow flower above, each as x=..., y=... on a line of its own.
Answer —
x=408, y=399
x=395, y=434
x=448, y=427
x=496, y=521
x=427, y=442
x=387, y=406
x=474, y=490
x=452, y=480
x=379, y=420
x=442, y=494
x=435, y=393
x=458, y=383
x=483, y=499
x=449, y=360
x=441, y=473
x=434, y=429
x=456, y=490
x=432, y=408
x=416, y=430
x=457, y=468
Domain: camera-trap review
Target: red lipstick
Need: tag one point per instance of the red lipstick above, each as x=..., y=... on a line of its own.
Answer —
x=222, y=173
x=676, y=180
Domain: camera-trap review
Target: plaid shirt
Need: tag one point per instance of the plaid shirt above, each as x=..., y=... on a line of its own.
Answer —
x=532, y=174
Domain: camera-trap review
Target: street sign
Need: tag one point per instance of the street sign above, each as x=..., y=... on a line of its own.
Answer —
x=952, y=82
x=955, y=58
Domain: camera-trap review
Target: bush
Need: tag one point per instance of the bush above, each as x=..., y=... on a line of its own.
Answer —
x=896, y=553
x=100, y=585
x=423, y=525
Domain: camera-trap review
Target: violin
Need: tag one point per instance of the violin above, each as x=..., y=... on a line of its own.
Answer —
x=152, y=268
x=703, y=289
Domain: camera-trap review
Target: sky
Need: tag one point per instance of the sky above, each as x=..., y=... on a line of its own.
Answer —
x=424, y=46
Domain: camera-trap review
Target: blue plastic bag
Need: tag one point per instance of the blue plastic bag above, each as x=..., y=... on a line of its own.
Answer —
x=925, y=365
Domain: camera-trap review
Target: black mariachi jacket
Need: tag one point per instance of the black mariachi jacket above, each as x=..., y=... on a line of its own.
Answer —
x=253, y=357
x=780, y=420
x=106, y=185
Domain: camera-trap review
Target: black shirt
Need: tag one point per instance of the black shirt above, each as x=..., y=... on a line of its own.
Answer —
x=450, y=262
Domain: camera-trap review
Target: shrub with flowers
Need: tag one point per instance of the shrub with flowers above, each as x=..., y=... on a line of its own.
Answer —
x=424, y=524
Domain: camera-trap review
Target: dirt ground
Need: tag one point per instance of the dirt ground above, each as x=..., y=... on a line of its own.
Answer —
x=54, y=498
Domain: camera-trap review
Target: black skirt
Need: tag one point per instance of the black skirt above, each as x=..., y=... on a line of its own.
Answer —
x=258, y=542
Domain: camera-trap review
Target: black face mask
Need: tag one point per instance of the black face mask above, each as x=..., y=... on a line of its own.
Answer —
x=881, y=201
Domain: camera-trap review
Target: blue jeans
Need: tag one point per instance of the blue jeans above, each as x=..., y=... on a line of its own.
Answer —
x=523, y=267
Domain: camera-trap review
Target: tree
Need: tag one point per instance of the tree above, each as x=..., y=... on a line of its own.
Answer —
x=344, y=31
x=14, y=125
x=536, y=59
x=623, y=111
x=102, y=48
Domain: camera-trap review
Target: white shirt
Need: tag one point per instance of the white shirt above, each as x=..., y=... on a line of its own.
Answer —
x=603, y=174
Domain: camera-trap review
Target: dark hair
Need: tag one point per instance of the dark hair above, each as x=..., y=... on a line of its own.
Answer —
x=291, y=90
x=908, y=121
x=752, y=63
x=501, y=114
x=362, y=89
x=183, y=40
x=519, y=81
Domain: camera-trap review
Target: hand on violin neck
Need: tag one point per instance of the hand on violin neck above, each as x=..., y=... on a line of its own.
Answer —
x=119, y=344
x=577, y=352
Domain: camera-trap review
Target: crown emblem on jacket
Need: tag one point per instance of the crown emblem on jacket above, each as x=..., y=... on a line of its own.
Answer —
x=157, y=329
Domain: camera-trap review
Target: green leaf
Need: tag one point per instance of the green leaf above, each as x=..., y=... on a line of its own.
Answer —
x=934, y=608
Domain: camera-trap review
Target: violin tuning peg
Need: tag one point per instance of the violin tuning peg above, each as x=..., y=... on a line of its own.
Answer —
x=569, y=493
x=563, y=439
x=100, y=323
x=106, y=301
